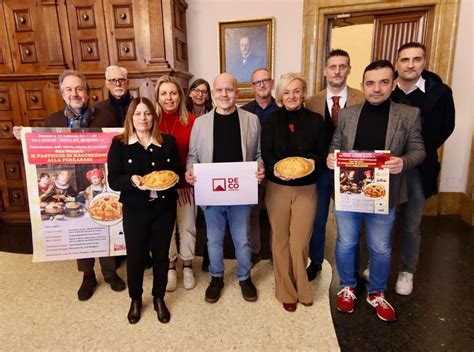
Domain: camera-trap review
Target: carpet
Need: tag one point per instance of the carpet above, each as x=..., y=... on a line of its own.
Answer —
x=40, y=311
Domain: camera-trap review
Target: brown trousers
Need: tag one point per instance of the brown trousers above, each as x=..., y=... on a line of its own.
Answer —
x=291, y=210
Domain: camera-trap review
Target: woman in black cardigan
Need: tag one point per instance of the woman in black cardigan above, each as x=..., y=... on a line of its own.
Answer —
x=290, y=131
x=148, y=216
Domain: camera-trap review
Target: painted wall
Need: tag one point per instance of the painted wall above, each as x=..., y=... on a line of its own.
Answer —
x=457, y=149
x=203, y=16
x=359, y=50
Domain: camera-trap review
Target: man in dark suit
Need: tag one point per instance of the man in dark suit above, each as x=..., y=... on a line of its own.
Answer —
x=77, y=113
x=116, y=81
x=327, y=103
x=425, y=90
x=378, y=124
x=243, y=66
x=262, y=106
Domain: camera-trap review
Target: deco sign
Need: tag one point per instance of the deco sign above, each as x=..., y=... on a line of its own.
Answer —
x=225, y=184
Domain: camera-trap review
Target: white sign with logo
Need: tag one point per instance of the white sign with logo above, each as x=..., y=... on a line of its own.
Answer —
x=226, y=183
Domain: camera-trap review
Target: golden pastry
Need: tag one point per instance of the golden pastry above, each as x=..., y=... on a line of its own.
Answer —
x=106, y=208
x=294, y=167
x=374, y=190
x=160, y=180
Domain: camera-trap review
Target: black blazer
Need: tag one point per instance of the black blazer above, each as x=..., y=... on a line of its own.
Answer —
x=126, y=160
x=313, y=143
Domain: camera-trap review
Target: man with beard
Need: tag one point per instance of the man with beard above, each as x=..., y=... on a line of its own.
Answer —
x=78, y=114
x=116, y=82
x=327, y=103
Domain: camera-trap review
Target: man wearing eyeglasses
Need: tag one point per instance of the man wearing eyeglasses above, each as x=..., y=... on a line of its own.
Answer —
x=262, y=106
x=327, y=103
x=77, y=113
x=116, y=82
x=226, y=134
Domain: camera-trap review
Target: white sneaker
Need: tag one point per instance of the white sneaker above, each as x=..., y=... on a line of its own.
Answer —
x=188, y=279
x=404, y=285
x=172, y=280
x=366, y=274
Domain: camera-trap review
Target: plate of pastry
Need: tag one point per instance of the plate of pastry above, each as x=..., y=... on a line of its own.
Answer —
x=159, y=180
x=294, y=167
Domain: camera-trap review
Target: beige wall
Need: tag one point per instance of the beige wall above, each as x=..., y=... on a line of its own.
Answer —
x=203, y=16
x=359, y=50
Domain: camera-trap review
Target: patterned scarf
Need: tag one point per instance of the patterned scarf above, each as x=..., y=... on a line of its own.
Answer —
x=84, y=119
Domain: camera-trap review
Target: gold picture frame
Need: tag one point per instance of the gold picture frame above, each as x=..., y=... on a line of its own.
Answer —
x=245, y=45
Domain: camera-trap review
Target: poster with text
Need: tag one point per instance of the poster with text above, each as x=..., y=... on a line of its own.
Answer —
x=361, y=184
x=74, y=213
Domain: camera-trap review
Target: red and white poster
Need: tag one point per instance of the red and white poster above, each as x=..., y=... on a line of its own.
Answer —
x=226, y=183
x=74, y=214
x=361, y=183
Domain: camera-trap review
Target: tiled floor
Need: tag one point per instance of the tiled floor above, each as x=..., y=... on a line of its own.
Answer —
x=438, y=316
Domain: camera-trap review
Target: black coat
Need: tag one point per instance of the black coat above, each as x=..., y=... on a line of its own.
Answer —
x=313, y=143
x=126, y=160
x=437, y=124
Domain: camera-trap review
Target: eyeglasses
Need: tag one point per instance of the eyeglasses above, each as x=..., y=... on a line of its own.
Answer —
x=264, y=82
x=120, y=81
x=200, y=91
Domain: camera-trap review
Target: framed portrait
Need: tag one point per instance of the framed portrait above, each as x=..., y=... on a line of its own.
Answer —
x=245, y=45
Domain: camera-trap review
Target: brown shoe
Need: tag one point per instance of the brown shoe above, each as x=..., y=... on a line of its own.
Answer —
x=307, y=304
x=290, y=307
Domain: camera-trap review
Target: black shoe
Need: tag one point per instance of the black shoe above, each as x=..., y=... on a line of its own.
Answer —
x=116, y=283
x=213, y=291
x=134, y=314
x=312, y=270
x=87, y=288
x=249, y=291
x=161, y=310
x=255, y=258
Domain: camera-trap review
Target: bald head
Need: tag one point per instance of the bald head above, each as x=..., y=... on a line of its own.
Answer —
x=224, y=93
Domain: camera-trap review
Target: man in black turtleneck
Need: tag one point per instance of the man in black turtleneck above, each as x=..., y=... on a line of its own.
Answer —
x=116, y=82
x=378, y=124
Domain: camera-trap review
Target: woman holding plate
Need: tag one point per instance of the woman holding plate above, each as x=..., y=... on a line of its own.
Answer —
x=149, y=214
x=293, y=142
x=176, y=121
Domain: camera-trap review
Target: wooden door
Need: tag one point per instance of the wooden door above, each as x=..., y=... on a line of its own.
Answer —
x=25, y=24
x=127, y=33
x=88, y=34
x=393, y=30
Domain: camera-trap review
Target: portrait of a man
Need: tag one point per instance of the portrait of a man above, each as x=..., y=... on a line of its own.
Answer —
x=246, y=46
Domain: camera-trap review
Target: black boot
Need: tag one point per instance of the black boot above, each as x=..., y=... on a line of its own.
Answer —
x=134, y=314
x=161, y=310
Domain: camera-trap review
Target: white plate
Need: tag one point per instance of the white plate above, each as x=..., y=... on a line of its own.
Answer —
x=95, y=199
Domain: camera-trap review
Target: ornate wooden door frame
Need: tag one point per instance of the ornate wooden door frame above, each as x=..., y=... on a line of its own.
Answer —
x=443, y=37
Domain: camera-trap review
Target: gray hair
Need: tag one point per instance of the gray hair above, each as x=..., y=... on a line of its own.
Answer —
x=75, y=73
x=111, y=68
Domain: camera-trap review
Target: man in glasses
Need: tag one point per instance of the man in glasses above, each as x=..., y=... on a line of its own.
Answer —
x=262, y=106
x=77, y=113
x=116, y=82
x=327, y=103
x=226, y=134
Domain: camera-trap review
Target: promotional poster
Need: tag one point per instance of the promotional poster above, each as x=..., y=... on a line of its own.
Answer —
x=74, y=214
x=361, y=184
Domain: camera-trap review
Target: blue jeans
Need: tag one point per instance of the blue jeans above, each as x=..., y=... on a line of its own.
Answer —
x=325, y=186
x=412, y=213
x=378, y=232
x=216, y=218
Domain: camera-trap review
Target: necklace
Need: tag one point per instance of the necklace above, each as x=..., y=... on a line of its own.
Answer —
x=174, y=126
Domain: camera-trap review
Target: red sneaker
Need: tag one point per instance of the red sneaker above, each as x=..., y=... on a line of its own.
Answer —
x=345, y=300
x=384, y=310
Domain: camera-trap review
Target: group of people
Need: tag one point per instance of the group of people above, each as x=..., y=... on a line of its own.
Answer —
x=404, y=109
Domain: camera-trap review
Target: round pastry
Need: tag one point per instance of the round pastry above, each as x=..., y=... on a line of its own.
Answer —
x=54, y=208
x=105, y=208
x=294, y=167
x=160, y=180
